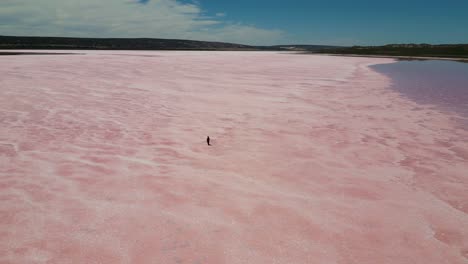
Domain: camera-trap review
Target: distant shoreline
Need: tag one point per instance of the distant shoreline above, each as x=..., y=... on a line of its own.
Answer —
x=13, y=53
x=465, y=60
x=460, y=59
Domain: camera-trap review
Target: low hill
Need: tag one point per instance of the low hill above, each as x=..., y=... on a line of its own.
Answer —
x=62, y=43
x=415, y=50
x=9, y=42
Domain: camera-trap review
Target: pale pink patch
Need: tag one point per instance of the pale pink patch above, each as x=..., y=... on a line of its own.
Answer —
x=103, y=159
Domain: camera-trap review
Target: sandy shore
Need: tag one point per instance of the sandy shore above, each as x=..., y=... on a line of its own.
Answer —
x=314, y=160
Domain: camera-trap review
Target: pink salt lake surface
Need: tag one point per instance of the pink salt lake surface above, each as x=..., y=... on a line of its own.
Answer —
x=314, y=159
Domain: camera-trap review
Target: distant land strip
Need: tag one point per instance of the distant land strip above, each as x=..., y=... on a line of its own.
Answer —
x=9, y=53
x=64, y=43
x=402, y=51
x=422, y=51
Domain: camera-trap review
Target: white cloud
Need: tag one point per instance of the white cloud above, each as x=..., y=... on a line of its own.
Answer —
x=124, y=18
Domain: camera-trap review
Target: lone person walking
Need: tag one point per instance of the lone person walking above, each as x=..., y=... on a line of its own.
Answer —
x=208, y=141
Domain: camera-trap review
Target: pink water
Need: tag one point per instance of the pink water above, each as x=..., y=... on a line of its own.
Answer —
x=314, y=160
x=442, y=84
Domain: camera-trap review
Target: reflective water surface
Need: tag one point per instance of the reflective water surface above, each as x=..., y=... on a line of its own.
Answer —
x=441, y=83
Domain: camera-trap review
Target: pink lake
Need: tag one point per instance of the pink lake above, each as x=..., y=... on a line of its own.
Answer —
x=314, y=159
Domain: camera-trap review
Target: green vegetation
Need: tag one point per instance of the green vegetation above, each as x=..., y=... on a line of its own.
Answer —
x=406, y=50
x=9, y=42
x=410, y=50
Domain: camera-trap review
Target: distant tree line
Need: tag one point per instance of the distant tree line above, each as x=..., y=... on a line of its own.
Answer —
x=8, y=42
x=416, y=50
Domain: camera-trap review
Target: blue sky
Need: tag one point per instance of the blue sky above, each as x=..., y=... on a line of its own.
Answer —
x=335, y=22
x=359, y=21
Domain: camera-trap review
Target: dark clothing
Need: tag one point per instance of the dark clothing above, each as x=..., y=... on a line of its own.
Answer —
x=208, y=141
